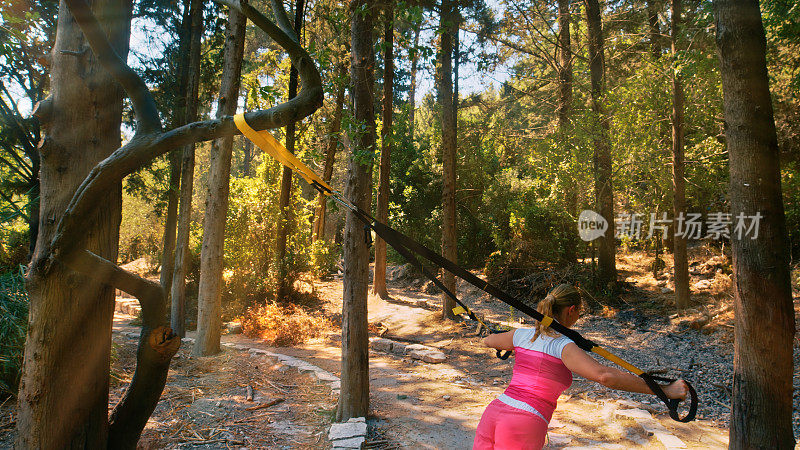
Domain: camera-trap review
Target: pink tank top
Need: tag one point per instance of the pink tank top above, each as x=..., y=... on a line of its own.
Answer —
x=539, y=375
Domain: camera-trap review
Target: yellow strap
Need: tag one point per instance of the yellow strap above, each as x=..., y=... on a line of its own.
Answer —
x=459, y=310
x=268, y=143
x=546, y=321
x=617, y=360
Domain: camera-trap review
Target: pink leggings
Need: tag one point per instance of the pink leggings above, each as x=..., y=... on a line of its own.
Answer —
x=506, y=427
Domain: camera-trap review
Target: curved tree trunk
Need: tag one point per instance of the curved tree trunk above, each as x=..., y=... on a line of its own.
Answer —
x=445, y=79
x=63, y=397
x=379, y=276
x=681, y=265
x=762, y=365
x=354, y=397
x=178, y=289
x=212, y=256
x=604, y=196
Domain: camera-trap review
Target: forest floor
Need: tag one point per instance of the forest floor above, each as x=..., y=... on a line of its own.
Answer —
x=414, y=404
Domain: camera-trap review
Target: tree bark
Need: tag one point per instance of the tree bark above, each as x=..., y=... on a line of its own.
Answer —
x=412, y=89
x=354, y=397
x=563, y=111
x=445, y=79
x=604, y=197
x=762, y=374
x=284, y=224
x=330, y=153
x=178, y=290
x=379, y=275
x=212, y=256
x=655, y=31
x=178, y=119
x=681, y=264
x=73, y=353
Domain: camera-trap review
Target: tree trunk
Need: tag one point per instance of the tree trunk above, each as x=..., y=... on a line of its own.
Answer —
x=170, y=221
x=209, y=309
x=445, y=79
x=330, y=153
x=63, y=397
x=604, y=197
x=655, y=31
x=379, y=275
x=762, y=380
x=178, y=119
x=178, y=290
x=681, y=265
x=564, y=106
x=412, y=89
x=284, y=224
x=354, y=397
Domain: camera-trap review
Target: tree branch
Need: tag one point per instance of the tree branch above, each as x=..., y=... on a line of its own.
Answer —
x=144, y=147
x=143, y=104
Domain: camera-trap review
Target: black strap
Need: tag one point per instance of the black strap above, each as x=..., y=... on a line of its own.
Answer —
x=672, y=403
x=409, y=249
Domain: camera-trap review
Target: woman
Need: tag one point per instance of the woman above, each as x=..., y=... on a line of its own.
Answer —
x=543, y=368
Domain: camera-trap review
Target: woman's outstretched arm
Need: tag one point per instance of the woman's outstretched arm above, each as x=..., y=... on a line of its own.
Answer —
x=584, y=365
x=500, y=341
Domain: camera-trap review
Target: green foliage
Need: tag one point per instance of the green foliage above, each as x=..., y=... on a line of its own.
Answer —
x=325, y=256
x=13, y=327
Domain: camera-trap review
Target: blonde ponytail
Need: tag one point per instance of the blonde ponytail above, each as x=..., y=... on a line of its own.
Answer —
x=561, y=297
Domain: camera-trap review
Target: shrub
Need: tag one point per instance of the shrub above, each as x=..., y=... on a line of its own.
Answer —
x=282, y=325
x=13, y=326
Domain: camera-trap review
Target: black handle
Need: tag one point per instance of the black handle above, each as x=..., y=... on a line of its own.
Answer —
x=672, y=403
x=504, y=355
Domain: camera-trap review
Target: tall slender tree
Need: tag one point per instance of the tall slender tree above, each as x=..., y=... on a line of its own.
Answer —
x=209, y=308
x=354, y=397
x=178, y=289
x=564, y=106
x=178, y=119
x=332, y=143
x=447, y=27
x=681, y=263
x=286, y=175
x=761, y=416
x=379, y=274
x=604, y=196
x=412, y=89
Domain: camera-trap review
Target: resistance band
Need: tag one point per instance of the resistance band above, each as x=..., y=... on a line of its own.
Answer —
x=409, y=249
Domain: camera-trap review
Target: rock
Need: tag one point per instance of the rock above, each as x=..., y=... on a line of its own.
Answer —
x=398, y=348
x=355, y=442
x=357, y=419
x=233, y=327
x=347, y=430
x=413, y=347
x=382, y=345
x=666, y=290
x=446, y=398
x=429, y=356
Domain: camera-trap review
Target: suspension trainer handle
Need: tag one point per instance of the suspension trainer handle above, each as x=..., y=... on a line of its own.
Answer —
x=504, y=355
x=672, y=403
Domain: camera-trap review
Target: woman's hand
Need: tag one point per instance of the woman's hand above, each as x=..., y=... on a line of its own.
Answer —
x=677, y=389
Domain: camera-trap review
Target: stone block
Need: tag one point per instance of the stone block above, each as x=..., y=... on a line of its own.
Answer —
x=381, y=345
x=347, y=430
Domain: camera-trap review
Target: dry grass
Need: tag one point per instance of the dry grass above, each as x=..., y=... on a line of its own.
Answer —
x=283, y=325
